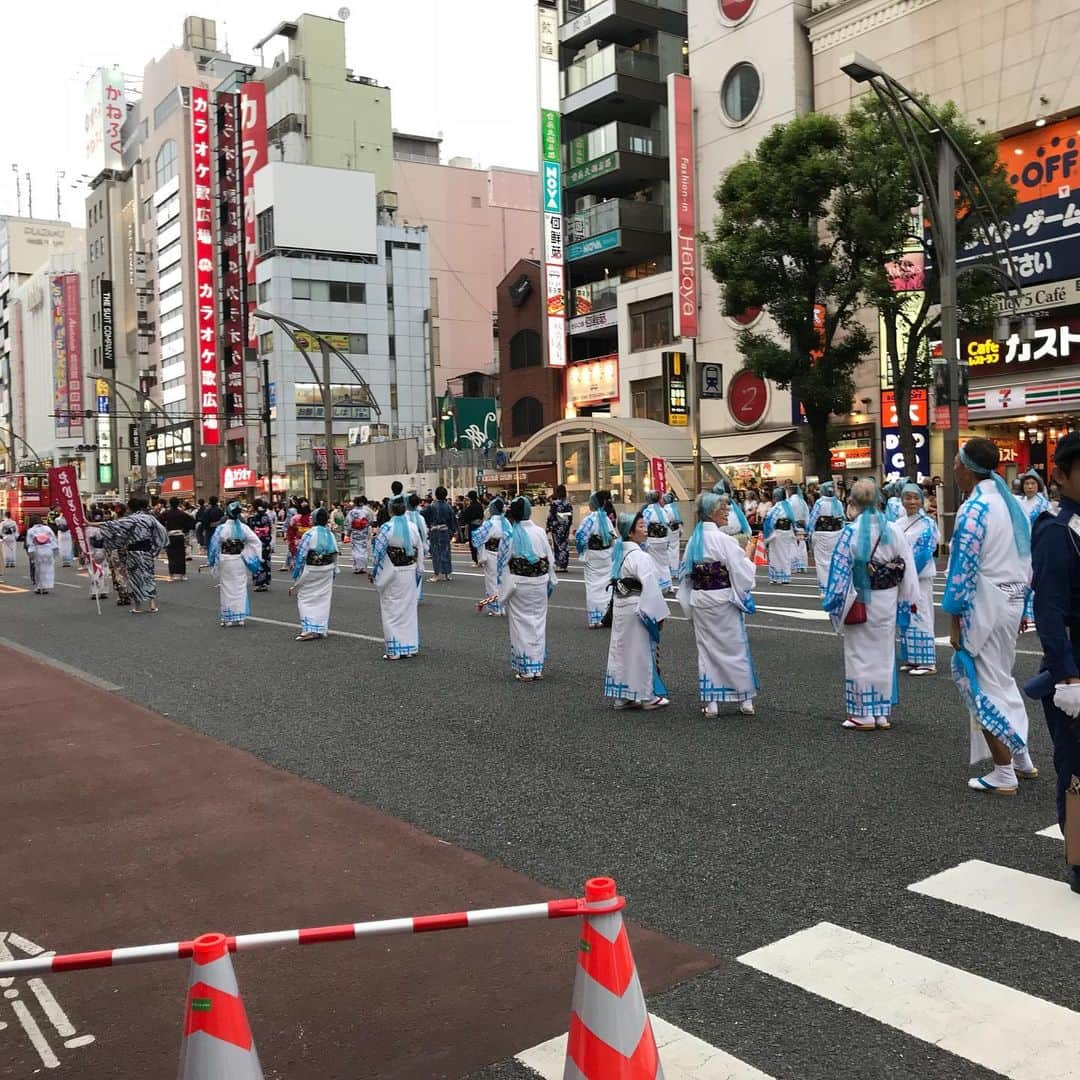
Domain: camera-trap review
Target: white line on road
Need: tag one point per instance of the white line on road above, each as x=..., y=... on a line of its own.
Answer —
x=1052, y=831
x=1019, y=897
x=64, y=584
x=1002, y=1029
x=34, y=1034
x=77, y=673
x=333, y=633
x=683, y=1056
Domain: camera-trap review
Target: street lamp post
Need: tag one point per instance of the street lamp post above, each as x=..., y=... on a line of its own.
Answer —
x=145, y=404
x=11, y=435
x=912, y=118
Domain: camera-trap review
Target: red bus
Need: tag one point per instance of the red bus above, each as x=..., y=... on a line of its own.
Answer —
x=23, y=494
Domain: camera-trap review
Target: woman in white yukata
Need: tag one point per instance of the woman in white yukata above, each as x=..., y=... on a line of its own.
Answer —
x=234, y=551
x=657, y=532
x=526, y=578
x=823, y=526
x=594, y=540
x=639, y=609
x=986, y=585
x=9, y=537
x=736, y=525
x=800, y=560
x=487, y=540
x=918, y=653
x=395, y=572
x=41, y=549
x=97, y=563
x=675, y=524
x=314, y=569
x=1034, y=500
x=872, y=571
x=715, y=596
x=64, y=540
x=778, y=532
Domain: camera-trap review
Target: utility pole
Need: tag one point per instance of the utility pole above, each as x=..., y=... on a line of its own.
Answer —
x=29, y=194
x=18, y=189
x=947, y=273
x=268, y=430
x=60, y=174
x=695, y=415
x=328, y=425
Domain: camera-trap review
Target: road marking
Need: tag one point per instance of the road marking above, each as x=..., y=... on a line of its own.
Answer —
x=796, y=613
x=1019, y=897
x=77, y=673
x=1003, y=1029
x=10, y=590
x=684, y=1057
x=944, y=643
x=332, y=633
x=62, y=584
x=1052, y=831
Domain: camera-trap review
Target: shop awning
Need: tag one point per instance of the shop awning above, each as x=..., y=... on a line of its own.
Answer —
x=752, y=446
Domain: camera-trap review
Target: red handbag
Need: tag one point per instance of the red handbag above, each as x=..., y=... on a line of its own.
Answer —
x=856, y=614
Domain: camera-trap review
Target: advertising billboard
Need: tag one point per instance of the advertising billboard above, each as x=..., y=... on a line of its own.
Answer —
x=103, y=117
x=205, y=295
x=684, y=231
x=232, y=271
x=551, y=206
x=66, y=334
x=252, y=123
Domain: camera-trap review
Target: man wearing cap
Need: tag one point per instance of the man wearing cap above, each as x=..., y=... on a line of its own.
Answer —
x=986, y=585
x=1055, y=553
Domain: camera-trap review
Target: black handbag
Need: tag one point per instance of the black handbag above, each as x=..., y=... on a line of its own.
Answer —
x=885, y=575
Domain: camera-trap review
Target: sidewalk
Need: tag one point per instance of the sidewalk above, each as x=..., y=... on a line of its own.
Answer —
x=122, y=827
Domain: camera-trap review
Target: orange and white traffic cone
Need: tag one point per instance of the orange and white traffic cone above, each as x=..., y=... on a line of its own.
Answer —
x=611, y=1037
x=761, y=557
x=217, y=1039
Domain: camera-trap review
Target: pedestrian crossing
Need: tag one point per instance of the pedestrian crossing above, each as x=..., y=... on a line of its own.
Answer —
x=982, y=1022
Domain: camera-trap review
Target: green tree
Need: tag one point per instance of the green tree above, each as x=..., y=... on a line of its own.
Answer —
x=783, y=240
x=879, y=174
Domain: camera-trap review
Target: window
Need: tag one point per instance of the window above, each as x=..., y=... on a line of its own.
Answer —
x=525, y=349
x=336, y=292
x=526, y=417
x=264, y=225
x=741, y=92
x=477, y=204
x=346, y=343
x=165, y=108
x=389, y=295
x=165, y=163
x=647, y=399
x=266, y=342
x=652, y=328
x=264, y=291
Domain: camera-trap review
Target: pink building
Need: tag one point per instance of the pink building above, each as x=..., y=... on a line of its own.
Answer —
x=480, y=223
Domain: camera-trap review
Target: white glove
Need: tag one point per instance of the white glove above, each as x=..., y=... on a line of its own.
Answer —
x=1067, y=698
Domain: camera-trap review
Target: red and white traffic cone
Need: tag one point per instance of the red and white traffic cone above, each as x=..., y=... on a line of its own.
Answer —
x=611, y=1037
x=217, y=1039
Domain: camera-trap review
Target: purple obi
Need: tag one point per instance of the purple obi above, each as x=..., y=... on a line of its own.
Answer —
x=710, y=576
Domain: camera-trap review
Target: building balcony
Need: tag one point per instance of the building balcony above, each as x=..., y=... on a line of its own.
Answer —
x=614, y=234
x=614, y=160
x=614, y=83
x=621, y=21
x=598, y=296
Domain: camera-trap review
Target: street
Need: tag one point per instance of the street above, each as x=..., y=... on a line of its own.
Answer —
x=768, y=861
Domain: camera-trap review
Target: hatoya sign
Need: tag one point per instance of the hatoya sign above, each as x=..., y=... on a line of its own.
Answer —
x=683, y=234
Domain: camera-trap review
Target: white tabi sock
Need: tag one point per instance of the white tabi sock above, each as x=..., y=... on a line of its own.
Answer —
x=1002, y=776
x=1022, y=761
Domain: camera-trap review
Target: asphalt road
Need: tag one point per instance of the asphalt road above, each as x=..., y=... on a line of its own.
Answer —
x=726, y=834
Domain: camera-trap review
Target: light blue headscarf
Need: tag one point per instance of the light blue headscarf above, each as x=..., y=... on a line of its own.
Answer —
x=603, y=523
x=520, y=544
x=864, y=546
x=913, y=489
x=1021, y=525
x=625, y=526
x=322, y=539
x=399, y=525
x=669, y=500
x=695, y=548
x=1031, y=474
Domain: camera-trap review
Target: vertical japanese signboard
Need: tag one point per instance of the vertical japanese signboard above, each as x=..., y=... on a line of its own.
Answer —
x=683, y=233
x=66, y=355
x=206, y=320
x=232, y=272
x=104, y=432
x=64, y=489
x=551, y=183
x=103, y=117
x=253, y=143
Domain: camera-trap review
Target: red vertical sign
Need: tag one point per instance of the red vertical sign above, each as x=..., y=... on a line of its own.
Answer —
x=74, y=354
x=232, y=273
x=683, y=241
x=64, y=489
x=253, y=140
x=206, y=320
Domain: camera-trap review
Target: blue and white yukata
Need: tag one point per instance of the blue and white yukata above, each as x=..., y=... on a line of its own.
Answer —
x=315, y=579
x=421, y=527
x=525, y=599
x=358, y=524
x=231, y=568
x=870, y=679
x=491, y=533
x=1033, y=505
x=780, y=542
x=399, y=585
x=986, y=585
x=656, y=547
x=799, y=561
x=594, y=541
x=715, y=597
x=823, y=540
x=632, y=672
x=917, y=636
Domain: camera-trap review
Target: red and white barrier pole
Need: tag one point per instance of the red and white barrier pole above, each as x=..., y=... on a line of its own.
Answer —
x=416, y=924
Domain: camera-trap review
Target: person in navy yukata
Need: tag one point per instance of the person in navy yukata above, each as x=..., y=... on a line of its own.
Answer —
x=1055, y=554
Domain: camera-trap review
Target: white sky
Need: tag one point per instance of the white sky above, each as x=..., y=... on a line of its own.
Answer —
x=464, y=68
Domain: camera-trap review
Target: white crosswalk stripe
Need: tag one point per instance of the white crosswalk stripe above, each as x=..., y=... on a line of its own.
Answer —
x=993, y=1025
x=1052, y=831
x=1009, y=894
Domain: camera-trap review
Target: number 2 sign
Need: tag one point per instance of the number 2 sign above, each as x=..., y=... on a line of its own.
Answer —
x=748, y=398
